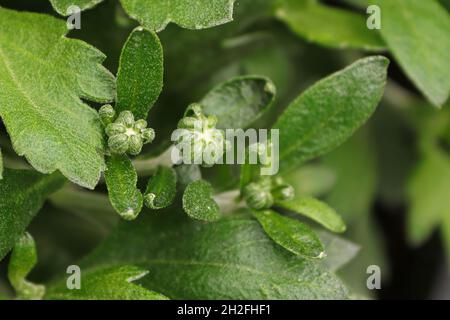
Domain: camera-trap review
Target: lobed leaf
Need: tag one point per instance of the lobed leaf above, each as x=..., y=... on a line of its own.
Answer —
x=115, y=283
x=199, y=14
x=22, y=261
x=291, y=234
x=329, y=26
x=239, y=102
x=121, y=179
x=229, y=259
x=140, y=75
x=417, y=33
x=330, y=111
x=43, y=75
x=315, y=210
x=161, y=188
x=22, y=194
x=198, y=202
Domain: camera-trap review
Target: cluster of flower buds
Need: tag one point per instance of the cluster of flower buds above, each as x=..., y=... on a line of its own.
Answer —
x=125, y=134
x=198, y=140
x=265, y=192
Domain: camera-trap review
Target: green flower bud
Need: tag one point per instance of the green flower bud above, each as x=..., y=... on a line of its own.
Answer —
x=115, y=128
x=118, y=143
x=257, y=196
x=281, y=190
x=126, y=118
x=148, y=135
x=285, y=192
x=140, y=125
x=107, y=114
x=135, y=145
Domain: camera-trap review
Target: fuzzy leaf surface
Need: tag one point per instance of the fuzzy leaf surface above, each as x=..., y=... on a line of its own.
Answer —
x=417, y=33
x=161, y=189
x=315, y=210
x=43, y=75
x=140, y=75
x=115, y=283
x=239, y=102
x=199, y=14
x=329, y=26
x=328, y=113
x=121, y=179
x=230, y=259
x=198, y=202
x=291, y=234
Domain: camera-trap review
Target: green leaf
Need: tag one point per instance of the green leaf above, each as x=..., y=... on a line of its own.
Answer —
x=140, y=75
x=239, y=102
x=121, y=179
x=22, y=261
x=22, y=194
x=161, y=188
x=115, y=283
x=428, y=196
x=198, y=202
x=357, y=156
x=43, y=75
x=343, y=29
x=229, y=259
x=417, y=33
x=312, y=180
x=291, y=234
x=199, y=14
x=328, y=113
x=315, y=210
x=61, y=5
x=339, y=251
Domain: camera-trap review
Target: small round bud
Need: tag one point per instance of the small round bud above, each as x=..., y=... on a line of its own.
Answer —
x=148, y=135
x=118, y=143
x=115, y=128
x=107, y=114
x=285, y=193
x=126, y=118
x=257, y=196
x=140, y=124
x=135, y=145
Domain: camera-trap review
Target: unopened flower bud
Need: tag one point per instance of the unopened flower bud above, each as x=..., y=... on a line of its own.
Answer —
x=126, y=118
x=140, y=124
x=115, y=128
x=148, y=135
x=118, y=143
x=258, y=197
x=107, y=114
x=135, y=145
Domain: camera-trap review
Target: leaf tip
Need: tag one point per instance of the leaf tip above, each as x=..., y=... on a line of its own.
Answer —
x=129, y=215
